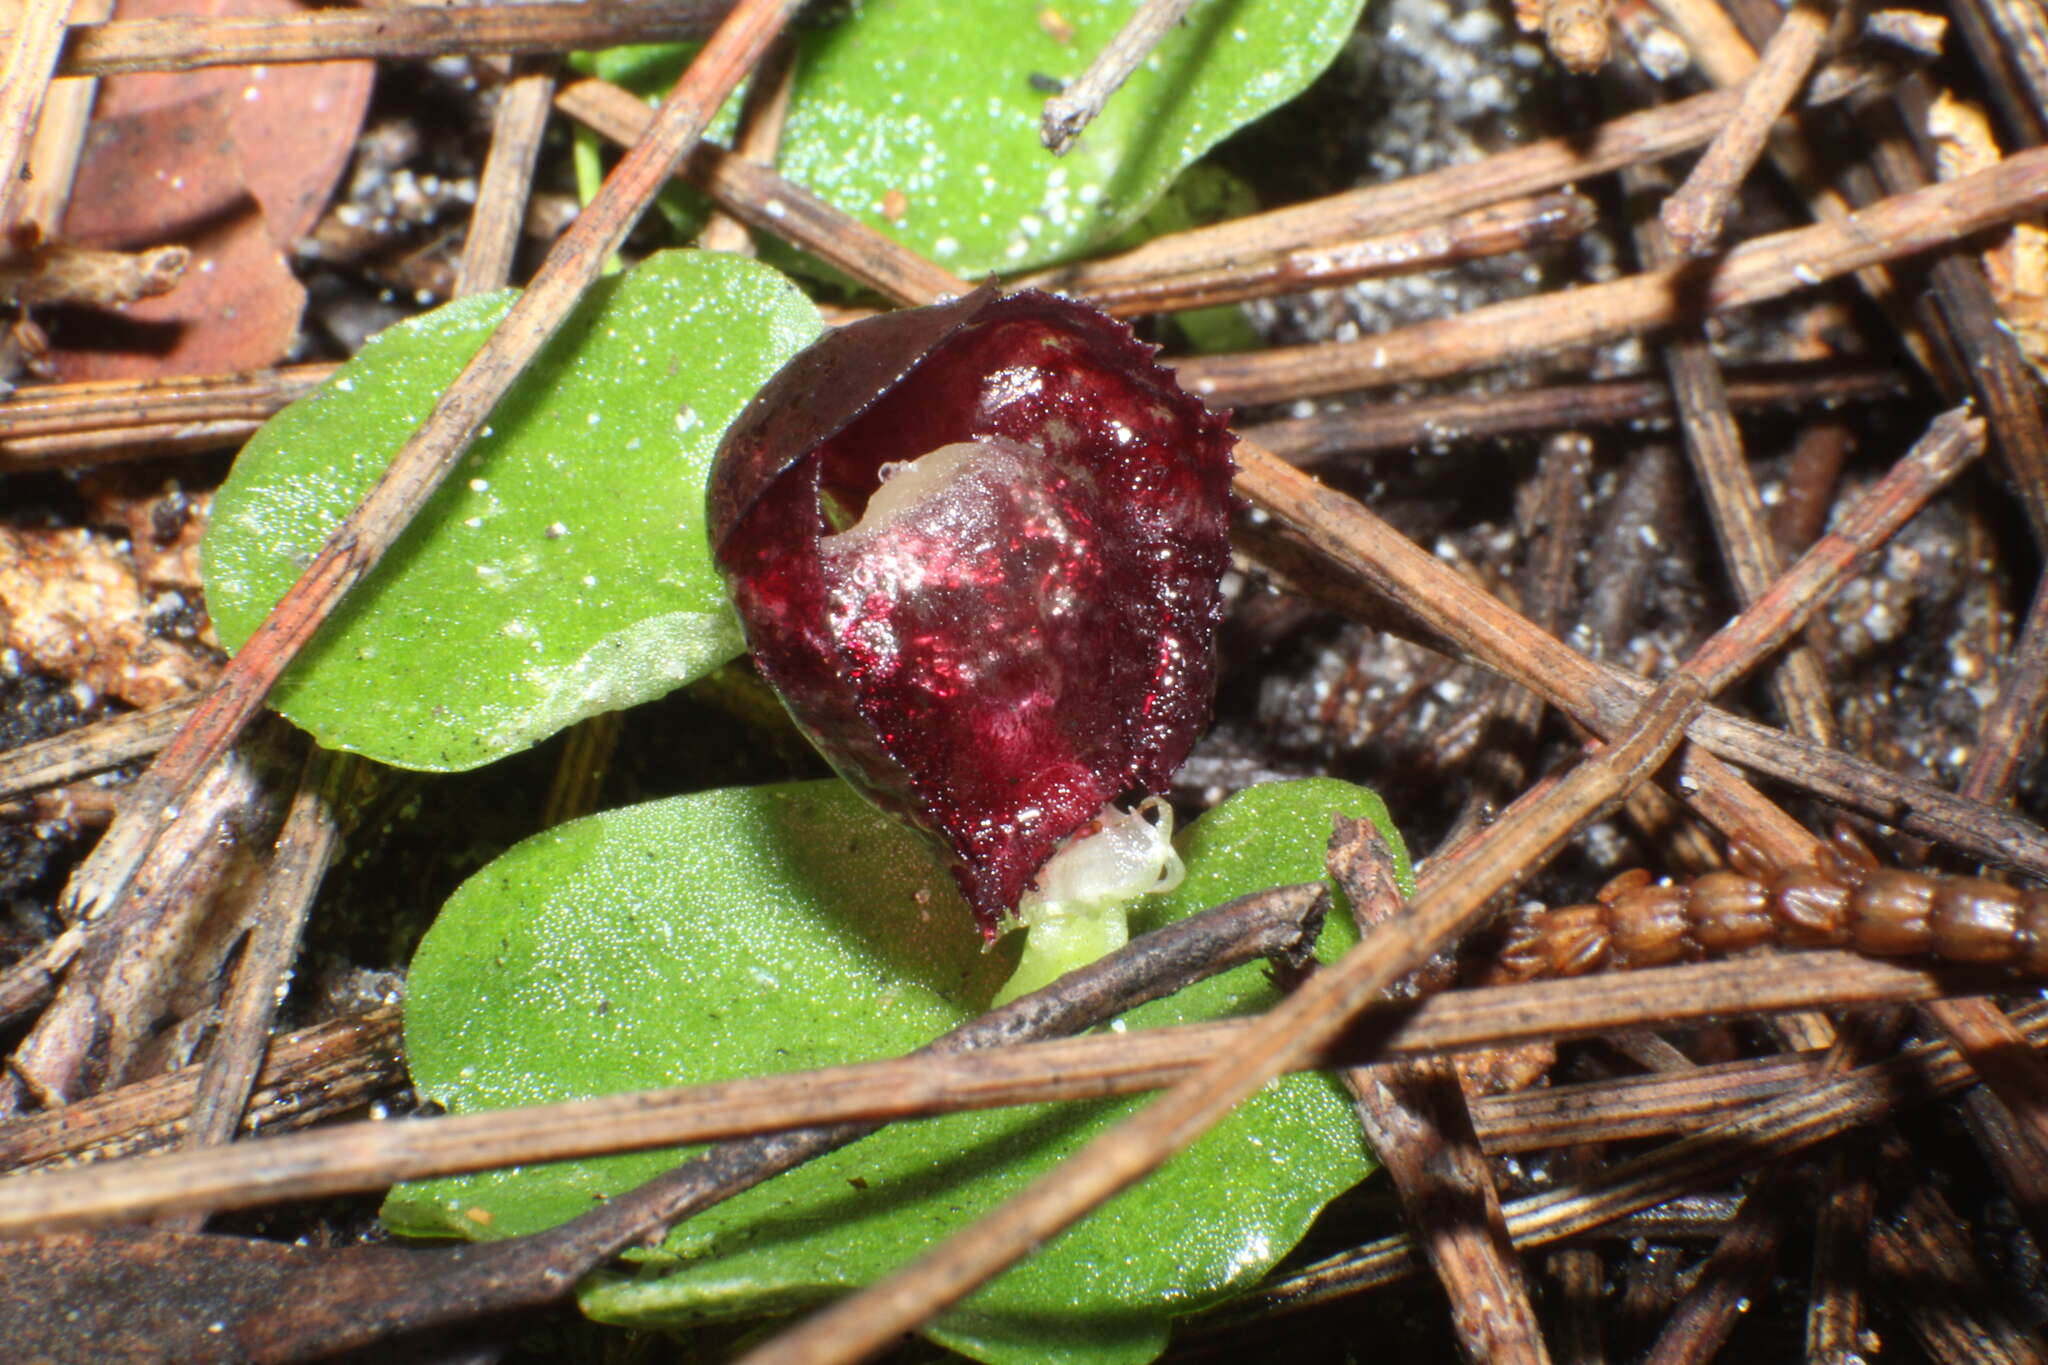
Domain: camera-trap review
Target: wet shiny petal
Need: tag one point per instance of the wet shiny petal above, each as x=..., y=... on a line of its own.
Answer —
x=1025, y=629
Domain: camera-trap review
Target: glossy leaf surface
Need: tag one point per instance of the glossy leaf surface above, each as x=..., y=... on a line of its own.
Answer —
x=743, y=932
x=922, y=119
x=562, y=569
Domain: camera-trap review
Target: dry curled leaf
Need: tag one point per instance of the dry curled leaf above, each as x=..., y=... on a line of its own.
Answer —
x=60, y=273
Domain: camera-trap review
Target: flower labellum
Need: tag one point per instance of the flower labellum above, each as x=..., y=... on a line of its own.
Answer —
x=977, y=547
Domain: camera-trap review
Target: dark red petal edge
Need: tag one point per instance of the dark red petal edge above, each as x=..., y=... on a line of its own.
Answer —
x=812, y=399
x=1141, y=463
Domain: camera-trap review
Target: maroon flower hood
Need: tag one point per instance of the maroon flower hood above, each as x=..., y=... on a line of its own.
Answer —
x=1032, y=637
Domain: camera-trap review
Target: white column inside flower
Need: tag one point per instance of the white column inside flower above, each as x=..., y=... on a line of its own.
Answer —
x=916, y=487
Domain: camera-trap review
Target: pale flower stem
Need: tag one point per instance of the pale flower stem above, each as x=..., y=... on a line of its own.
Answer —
x=1058, y=944
x=1079, y=909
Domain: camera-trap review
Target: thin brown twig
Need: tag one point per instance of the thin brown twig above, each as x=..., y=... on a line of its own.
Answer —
x=1981, y=349
x=95, y=407
x=349, y=1158
x=2009, y=39
x=1992, y=1043
x=1550, y=512
x=189, y=44
x=310, y=1074
x=579, y=775
x=1371, y=427
x=25, y=72
x=1651, y=1104
x=1515, y=225
x=1694, y=214
x=1798, y=163
x=1717, y=45
x=59, y=138
x=762, y=115
x=1522, y=329
x=425, y=459
x=1417, y=200
x=1637, y=526
x=524, y=104
x=304, y=848
x=81, y=449
x=90, y=749
x=500, y=213
x=1956, y=329
x=1798, y=1119
x=56, y=274
x=29, y=983
x=1812, y=471
x=2009, y=732
x=1417, y=1123
x=1835, y=1313
x=1073, y=109
x=1721, y=467
x=1983, y=831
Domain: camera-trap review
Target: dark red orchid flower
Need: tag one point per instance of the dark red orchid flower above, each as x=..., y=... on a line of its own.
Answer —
x=977, y=547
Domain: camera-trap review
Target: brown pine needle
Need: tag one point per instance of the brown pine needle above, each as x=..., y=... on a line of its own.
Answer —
x=1067, y=114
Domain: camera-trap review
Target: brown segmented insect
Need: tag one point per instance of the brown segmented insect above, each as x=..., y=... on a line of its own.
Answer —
x=1844, y=899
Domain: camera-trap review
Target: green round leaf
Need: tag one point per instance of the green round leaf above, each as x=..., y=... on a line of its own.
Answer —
x=922, y=119
x=562, y=569
x=743, y=932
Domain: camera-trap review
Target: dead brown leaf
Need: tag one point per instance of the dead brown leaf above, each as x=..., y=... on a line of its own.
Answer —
x=233, y=163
